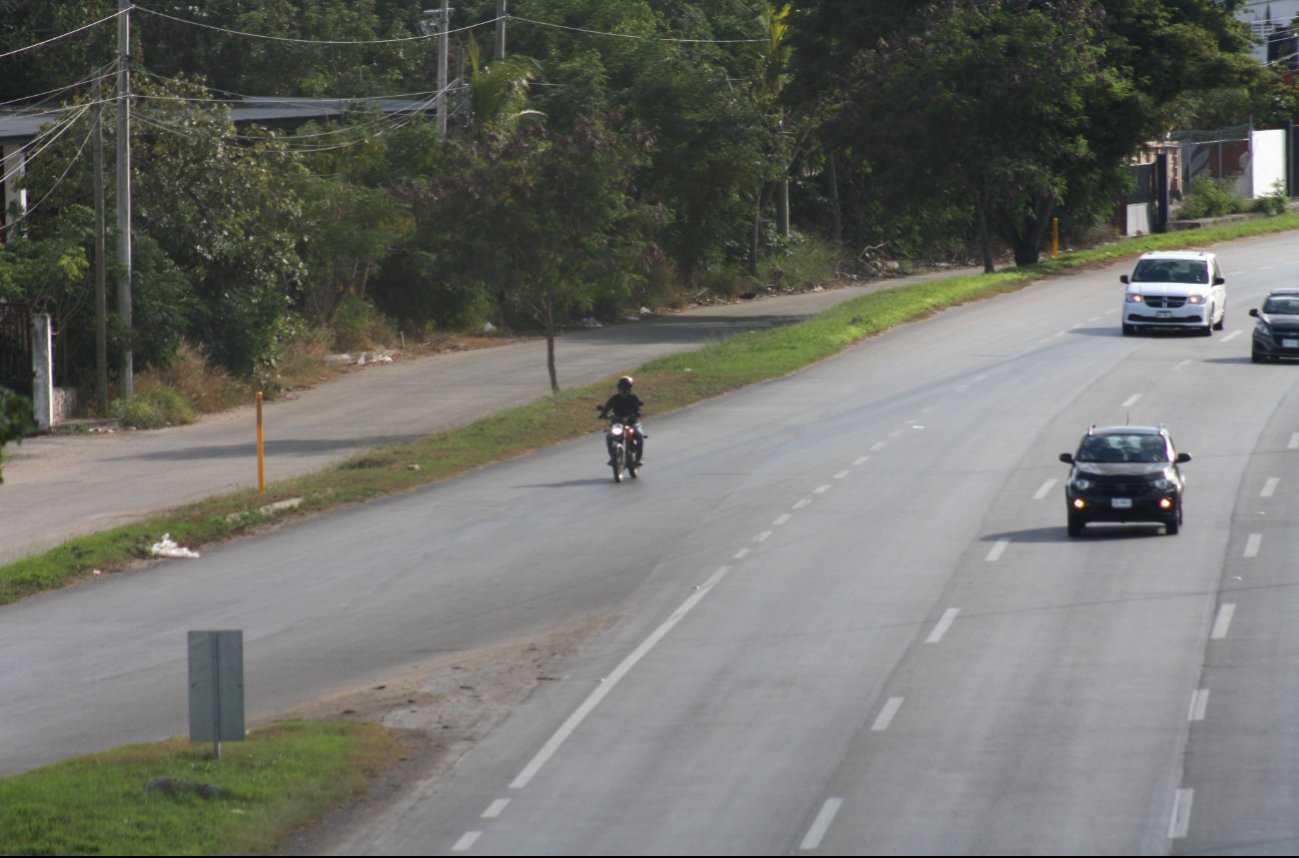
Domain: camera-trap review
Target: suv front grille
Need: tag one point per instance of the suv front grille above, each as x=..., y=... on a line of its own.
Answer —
x=1162, y=302
x=1124, y=486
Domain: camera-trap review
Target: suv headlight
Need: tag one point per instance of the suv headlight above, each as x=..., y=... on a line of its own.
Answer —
x=1082, y=483
x=1263, y=328
x=1164, y=484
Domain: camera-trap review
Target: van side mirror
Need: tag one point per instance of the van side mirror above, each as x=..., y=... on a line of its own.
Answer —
x=1123, y=278
x=1067, y=458
x=1183, y=457
x=1218, y=281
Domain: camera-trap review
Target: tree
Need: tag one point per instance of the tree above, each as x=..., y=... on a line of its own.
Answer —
x=993, y=98
x=15, y=421
x=544, y=223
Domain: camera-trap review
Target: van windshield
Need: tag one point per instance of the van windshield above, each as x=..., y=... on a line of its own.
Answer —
x=1170, y=271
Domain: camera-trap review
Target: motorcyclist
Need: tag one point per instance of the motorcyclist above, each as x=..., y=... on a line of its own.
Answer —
x=626, y=406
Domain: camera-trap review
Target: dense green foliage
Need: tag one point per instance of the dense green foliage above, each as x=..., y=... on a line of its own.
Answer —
x=15, y=420
x=624, y=152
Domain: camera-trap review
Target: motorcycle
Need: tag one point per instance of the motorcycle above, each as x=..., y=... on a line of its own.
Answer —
x=621, y=440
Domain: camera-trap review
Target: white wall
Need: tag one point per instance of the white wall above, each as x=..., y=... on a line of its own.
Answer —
x=1267, y=162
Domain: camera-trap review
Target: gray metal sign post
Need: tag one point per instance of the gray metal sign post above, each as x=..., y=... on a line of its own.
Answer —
x=216, y=687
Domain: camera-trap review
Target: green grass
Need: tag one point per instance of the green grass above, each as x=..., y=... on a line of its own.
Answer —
x=667, y=384
x=278, y=780
x=294, y=773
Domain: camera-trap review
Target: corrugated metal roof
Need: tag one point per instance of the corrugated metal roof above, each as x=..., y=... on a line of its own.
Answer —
x=19, y=126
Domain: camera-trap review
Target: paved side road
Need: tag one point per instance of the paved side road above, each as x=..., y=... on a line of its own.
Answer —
x=58, y=486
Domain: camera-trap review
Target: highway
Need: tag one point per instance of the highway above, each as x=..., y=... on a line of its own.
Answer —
x=840, y=612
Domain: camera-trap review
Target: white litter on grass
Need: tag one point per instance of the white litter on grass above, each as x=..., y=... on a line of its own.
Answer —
x=167, y=547
x=591, y=322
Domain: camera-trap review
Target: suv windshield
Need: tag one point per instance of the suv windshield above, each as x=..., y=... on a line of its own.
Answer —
x=1170, y=271
x=1123, y=448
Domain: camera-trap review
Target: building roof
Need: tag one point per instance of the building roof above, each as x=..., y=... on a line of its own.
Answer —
x=19, y=126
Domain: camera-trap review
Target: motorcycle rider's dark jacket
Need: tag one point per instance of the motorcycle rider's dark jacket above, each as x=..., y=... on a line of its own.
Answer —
x=623, y=405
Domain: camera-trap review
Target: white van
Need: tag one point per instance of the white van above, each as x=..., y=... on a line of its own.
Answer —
x=1175, y=289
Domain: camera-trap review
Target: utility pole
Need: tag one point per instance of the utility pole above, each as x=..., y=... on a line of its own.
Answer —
x=101, y=288
x=126, y=382
x=500, y=29
x=438, y=21
x=444, y=48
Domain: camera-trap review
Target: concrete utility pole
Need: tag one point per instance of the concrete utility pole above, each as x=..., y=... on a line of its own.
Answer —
x=126, y=381
x=438, y=21
x=500, y=29
x=444, y=50
x=101, y=287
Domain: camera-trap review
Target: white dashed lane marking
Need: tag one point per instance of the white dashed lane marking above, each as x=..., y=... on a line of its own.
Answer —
x=821, y=824
x=997, y=550
x=944, y=623
x=1223, y=622
x=886, y=714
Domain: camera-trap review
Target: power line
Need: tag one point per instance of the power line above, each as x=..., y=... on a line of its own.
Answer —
x=633, y=36
x=66, y=35
x=337, y=42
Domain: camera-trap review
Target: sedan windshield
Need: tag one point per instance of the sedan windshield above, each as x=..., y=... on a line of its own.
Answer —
x=1282, y=306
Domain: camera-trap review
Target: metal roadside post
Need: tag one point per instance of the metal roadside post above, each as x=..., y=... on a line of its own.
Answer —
x=216, y=687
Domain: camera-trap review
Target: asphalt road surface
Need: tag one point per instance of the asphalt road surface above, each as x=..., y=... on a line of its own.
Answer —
x=840, y=611
x=103, y=480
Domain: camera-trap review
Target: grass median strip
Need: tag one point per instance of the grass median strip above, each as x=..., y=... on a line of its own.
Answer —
x=669, y=383
x=174, y=798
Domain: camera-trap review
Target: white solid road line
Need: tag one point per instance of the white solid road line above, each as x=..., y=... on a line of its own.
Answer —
x=566, y=729
x=1181, y=813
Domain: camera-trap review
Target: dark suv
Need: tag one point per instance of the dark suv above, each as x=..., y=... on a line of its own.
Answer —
x=1125, y=473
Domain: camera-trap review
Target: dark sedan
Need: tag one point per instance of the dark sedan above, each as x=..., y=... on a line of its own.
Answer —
x=1276, y=335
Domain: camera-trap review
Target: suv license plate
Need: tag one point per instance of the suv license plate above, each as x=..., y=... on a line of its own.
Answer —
x=1121, y=503
x=1290, y=344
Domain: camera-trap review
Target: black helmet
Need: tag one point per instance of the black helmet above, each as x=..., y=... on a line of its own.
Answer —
x=625, y=383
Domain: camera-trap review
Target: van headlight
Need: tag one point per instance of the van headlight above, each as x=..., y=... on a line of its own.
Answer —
x=1195, y=299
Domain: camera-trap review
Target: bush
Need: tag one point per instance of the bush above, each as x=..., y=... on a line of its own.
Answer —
x=1275, y=203
x=806, y=262
x=1210, y=197
x=358, y=326
x=153, y=406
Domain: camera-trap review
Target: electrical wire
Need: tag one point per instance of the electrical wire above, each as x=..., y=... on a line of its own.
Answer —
x=27, y=211
x=351, y=43
x=66, y=35
x=631, y=36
